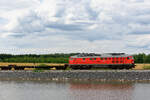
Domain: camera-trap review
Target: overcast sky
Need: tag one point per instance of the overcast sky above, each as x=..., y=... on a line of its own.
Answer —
x=64, y=26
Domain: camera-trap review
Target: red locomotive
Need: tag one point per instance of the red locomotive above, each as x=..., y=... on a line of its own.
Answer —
x=109, y=60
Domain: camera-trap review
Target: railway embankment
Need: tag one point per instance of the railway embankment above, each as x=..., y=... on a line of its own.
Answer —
x=103, y=75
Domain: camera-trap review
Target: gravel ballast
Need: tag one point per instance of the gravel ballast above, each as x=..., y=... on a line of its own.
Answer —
x=107, y=75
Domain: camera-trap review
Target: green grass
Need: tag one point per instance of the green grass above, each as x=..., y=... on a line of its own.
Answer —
x=38, y=70
x=43, y=65
x=146, y=67
x=68, y=68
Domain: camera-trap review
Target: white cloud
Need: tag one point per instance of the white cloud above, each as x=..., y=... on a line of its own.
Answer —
x=75, y=26
x=138, y=40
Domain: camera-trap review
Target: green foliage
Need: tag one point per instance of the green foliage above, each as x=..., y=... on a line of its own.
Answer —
x=57, y=58
x=142, y=58
x=33, y=58
x=146, y=67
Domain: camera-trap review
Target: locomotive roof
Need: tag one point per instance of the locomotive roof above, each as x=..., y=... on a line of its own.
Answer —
x=93, y=55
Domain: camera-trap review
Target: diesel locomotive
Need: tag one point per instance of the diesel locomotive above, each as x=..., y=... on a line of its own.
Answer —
x=106, y=60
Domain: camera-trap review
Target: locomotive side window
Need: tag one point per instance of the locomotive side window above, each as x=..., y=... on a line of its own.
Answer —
x=128, y=58
x=90, y=58
x=83, y=58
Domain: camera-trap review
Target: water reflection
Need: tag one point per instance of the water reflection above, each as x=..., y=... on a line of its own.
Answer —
x=101, y=91
x=33, y=90
x=52, y=90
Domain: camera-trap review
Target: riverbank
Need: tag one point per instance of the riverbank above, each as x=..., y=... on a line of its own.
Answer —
x=102, y=75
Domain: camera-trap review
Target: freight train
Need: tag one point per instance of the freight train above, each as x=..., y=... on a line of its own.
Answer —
x=106, y=60
x=81, y=61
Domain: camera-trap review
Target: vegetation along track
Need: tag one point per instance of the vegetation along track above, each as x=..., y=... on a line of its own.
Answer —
x=49, y=66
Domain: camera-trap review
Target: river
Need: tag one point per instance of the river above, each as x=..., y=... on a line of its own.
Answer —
x=73, y=90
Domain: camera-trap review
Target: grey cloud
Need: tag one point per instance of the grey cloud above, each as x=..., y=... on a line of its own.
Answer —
x=138, y=32
x=143, y=19
x=18, y=35
x=65, y=27
x=29, y=24
x=139, y=29
x=33, y=23
x=60, y=12
x=92, y=13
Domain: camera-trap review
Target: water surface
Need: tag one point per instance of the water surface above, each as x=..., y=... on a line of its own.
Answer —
x=50, y=90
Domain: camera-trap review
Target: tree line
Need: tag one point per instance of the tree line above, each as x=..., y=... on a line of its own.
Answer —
x=142, y=58
x=34, y=58
x=57, y=58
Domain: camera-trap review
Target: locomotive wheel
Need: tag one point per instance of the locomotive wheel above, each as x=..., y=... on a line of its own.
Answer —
x=81, y=67
x=121, y=67
x=113, y=67
x=85, y=67
x=128, y=67
x=74, y=67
